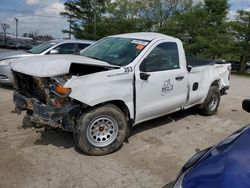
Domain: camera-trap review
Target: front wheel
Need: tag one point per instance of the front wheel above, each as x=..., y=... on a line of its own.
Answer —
x=211, y=103
x=101, y=131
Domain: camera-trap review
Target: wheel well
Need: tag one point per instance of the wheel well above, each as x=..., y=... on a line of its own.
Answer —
x=121, y=105
x=216, y=83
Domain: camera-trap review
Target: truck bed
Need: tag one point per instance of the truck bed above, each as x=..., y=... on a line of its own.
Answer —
x=196, y=62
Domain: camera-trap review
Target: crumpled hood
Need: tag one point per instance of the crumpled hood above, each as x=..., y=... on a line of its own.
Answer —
x=15, y=54
x=52, y=65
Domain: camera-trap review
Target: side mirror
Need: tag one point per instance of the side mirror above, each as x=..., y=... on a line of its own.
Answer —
x=54, y=51
x=246, y=105
x=189, y=68
x=144, y=76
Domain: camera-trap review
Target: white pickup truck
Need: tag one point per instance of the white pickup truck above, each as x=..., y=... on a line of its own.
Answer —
x=115, y=84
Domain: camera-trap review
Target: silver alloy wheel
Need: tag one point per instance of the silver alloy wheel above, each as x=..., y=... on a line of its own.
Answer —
x=213, y=102
x=102, y=131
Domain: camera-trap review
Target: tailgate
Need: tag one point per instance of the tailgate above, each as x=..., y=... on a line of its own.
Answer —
x=224, y=71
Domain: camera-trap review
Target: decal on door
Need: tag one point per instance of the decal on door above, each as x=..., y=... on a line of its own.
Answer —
x=127, y=70
x=167, y=87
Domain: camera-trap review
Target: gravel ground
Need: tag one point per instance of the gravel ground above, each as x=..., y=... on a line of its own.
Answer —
x=152, y=158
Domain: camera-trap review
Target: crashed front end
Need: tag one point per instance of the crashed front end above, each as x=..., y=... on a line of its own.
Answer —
x=46, y=100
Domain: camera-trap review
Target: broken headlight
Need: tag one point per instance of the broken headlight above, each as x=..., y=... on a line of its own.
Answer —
x=57, y=86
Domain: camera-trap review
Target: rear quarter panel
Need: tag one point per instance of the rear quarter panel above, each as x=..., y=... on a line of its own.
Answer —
x=224, y=71
x=205, y=76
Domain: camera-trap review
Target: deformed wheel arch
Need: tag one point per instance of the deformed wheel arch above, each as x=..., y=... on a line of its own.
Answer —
x=215, y=83
x=118, y=103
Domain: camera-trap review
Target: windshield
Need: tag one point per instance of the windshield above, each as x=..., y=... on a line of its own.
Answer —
x=115, y=50
x=41, y=47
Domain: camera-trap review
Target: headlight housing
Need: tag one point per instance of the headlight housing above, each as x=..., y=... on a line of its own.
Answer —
x=61, y=90
x=57, y=86
x=6, y=62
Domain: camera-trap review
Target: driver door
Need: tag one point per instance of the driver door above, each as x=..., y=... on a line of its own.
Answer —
x=161, y=83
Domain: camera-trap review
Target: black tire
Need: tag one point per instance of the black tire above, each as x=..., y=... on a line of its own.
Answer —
x=207, y=108
x=83, y=131
x=246, y=105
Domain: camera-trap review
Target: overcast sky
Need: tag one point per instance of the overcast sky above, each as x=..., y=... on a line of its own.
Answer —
x=54, y=24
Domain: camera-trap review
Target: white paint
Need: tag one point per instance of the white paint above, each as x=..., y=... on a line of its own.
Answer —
x=102, y=87
x=51, y=65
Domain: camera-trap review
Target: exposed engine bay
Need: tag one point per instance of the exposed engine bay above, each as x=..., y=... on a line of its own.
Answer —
x=50, y=90
x=46, y=90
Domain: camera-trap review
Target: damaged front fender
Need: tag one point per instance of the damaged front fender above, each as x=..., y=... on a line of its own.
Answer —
x=101, y=87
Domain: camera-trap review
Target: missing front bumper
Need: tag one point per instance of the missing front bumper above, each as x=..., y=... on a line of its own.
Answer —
x=49, y=115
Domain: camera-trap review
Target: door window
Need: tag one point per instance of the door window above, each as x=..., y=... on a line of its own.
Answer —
x=68, y=48
x=82, y=46
x=165, y=56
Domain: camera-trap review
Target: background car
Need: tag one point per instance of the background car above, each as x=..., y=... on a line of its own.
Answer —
x=248, y=67
x=236, y=66
x=224, y=165
x=46, y=48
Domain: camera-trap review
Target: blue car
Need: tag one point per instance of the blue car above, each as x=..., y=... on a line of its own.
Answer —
x=225, y=165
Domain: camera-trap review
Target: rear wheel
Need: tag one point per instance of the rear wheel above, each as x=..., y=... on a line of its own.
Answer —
x=211, y=104
x=101, y=131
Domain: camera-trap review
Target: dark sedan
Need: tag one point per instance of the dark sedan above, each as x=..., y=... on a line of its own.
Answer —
x=225, y=165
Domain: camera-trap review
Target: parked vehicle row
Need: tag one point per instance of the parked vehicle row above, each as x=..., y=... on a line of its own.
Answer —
x=46, y=48
x=115, y=84
x=16, y=42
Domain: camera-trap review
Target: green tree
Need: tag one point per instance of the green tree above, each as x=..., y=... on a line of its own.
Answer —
x=155, y=14
x=119, y=16
x=203, y=29
x=241, y=29
x=82, y=15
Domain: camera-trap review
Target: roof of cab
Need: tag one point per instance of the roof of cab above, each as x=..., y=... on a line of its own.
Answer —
x=145, y=36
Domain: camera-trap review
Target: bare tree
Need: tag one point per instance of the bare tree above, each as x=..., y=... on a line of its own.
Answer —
x=5, y=27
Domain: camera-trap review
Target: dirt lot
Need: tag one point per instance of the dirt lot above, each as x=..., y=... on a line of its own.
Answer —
x=153, y=157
